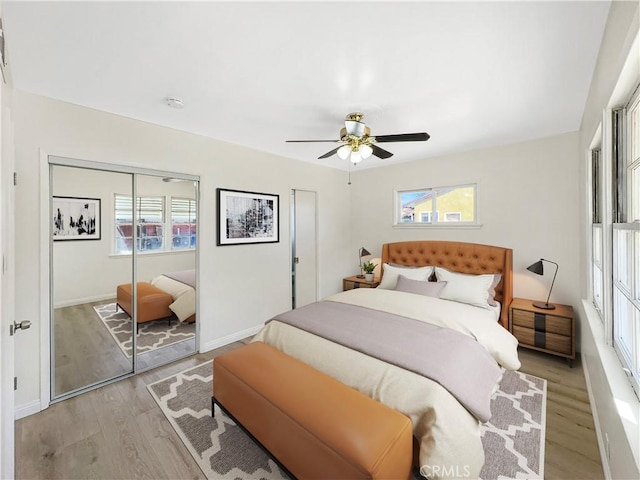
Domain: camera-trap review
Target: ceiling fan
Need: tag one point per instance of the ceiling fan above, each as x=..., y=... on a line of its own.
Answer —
x=358, y=143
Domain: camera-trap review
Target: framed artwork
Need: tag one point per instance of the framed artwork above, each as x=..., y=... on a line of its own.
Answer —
x=76, y=218
x=247, y=217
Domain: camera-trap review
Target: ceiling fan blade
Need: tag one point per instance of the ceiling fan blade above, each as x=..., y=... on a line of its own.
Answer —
x=309, y=141
x=331, y=153
x=380, y=152
x=403, y=137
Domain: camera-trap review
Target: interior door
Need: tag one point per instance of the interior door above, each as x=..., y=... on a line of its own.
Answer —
x=6, y=300
x=304, y=248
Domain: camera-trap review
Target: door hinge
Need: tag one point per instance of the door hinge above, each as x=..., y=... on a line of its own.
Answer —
x=15, y=178
x=15, y=383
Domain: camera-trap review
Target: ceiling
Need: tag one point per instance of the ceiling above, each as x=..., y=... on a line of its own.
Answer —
x=472, y=75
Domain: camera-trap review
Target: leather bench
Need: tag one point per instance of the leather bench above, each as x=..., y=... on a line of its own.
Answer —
x=153, y=303
x=313, y=425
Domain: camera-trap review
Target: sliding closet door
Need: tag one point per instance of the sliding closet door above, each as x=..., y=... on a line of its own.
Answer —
x=165, y=209
x=91, y=271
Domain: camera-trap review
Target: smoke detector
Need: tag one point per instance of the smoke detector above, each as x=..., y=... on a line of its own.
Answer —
x=174, y=102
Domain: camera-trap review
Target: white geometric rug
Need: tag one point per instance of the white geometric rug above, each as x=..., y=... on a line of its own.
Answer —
x=151, y=335
x=513, y=441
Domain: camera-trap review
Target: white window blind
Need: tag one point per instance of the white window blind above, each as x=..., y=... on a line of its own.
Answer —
x=183, y=223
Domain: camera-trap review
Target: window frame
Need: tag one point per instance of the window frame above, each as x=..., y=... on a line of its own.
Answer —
x=619, y=230
x=166, y=226
x=436, y=211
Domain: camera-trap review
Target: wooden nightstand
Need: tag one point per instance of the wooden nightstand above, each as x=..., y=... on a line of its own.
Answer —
x=350, y=283
x=550, y=331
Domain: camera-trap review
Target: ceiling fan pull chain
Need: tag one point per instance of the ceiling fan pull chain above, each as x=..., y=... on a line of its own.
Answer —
x=349, y=174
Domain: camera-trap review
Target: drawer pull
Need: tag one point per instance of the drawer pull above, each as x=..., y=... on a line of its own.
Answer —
x=540, y=322
x=540, y=339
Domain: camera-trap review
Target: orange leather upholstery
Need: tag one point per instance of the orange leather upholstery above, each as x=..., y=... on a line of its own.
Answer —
x=317, y=427
x=459, y=257
x=152, y=302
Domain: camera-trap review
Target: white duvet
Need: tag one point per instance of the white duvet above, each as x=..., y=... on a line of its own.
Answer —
x=448, y=434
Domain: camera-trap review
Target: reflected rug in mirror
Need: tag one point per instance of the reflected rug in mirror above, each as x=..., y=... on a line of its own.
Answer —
x=513, y=440
x=151, y=335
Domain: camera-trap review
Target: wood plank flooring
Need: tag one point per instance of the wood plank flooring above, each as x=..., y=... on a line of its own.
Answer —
x=119, y=432
x=86, y=353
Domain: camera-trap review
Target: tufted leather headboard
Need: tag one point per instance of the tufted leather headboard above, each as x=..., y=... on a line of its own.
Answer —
x=459, y=257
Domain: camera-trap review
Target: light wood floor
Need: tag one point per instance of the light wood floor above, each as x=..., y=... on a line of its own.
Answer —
x=86, y=353
x=119, y=432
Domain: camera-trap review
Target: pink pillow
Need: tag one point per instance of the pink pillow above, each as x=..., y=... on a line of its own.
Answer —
x=419, y=287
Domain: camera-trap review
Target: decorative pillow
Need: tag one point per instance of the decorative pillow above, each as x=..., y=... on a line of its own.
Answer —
x=390, y=275
x=419, y=287
x=465, y=288
x=492, y=290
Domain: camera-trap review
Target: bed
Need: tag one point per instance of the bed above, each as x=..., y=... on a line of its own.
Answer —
x=181, y=285
x=446, y=421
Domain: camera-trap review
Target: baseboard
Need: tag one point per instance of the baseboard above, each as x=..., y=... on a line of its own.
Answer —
x=234, y=337
x=81, y=301
x=27, y=409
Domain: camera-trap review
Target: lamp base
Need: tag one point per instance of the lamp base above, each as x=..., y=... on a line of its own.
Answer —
x=359, y=276
x=544, y=306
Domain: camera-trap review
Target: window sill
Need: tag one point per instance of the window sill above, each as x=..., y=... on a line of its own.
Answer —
x=153, y=253
x=456, y=225
x=626, y=402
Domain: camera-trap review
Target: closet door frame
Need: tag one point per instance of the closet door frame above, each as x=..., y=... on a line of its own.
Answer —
x=47, y=360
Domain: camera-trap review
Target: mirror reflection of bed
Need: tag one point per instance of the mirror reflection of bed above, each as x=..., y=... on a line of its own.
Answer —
x=92, y=333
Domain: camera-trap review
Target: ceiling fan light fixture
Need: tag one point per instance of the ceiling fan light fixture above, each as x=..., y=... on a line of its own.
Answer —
x=365, y=151
x=344, y=152
x=355, y=128
x=355, y=157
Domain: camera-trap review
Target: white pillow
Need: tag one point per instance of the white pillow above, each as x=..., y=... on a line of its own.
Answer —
x=465, y=288
x=390, y=275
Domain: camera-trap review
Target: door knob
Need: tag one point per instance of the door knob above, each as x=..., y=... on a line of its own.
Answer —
x=23, y=325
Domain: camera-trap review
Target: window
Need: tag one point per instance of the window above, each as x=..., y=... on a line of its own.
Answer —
x=626, y=237
x=153, y=232
x=183, y=223
x=596, y=230
x=437, y=206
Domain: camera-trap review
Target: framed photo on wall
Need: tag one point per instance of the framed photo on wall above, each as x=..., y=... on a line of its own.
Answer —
x=76, y=218
x=247, y=217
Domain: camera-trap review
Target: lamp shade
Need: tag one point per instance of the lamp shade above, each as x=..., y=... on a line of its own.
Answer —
x=365, y=151
x=344, y=152
x=536, y=268
x=364, y=252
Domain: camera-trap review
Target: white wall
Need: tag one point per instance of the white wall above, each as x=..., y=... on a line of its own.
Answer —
x=240, y=286
x=86, y=271
x=527, y=201
x=616, y=409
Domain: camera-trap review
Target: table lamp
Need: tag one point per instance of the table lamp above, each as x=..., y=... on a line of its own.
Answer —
x=538, y=268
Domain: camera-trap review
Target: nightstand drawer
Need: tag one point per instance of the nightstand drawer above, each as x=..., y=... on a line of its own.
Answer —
x=546, y=340
x=350, y=284
x=542, y=322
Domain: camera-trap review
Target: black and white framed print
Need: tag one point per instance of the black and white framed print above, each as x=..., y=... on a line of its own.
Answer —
x=76, y=218
x=247, y=217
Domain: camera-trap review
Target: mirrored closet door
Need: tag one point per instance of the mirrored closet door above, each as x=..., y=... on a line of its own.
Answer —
x=123, y=273
x=166, y=269
x=91, y=336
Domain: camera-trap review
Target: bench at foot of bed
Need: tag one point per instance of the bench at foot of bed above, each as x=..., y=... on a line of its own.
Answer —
x=313, y=425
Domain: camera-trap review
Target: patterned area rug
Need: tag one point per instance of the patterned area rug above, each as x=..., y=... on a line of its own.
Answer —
x=151, y=335
x=513, y=441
